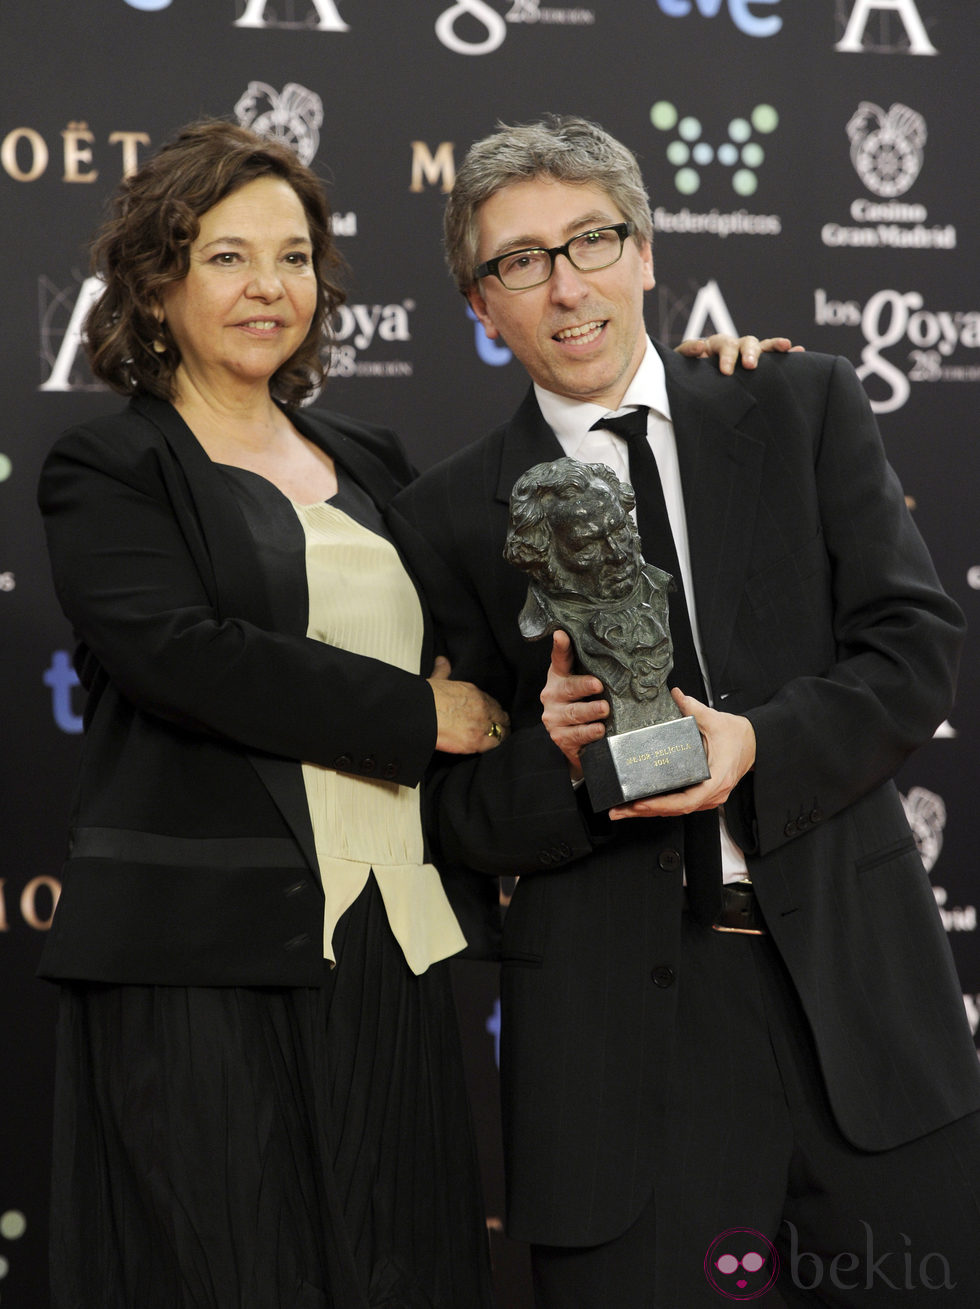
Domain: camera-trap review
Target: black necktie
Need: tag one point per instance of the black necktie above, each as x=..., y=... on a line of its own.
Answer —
x=702, y=850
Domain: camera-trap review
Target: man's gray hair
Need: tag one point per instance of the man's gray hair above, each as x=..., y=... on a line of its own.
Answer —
x=566, y=149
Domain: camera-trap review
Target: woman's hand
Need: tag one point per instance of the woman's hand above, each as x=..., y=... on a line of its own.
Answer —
x=469, y=721
x=729, y=348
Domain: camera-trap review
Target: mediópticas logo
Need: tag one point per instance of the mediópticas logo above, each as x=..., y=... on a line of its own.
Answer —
x=723, y=165
x=742, y=1264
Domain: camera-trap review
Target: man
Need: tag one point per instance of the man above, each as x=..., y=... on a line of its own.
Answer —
x=805, y=1074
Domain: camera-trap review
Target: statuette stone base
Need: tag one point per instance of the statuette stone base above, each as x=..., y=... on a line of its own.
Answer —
x=649, y=761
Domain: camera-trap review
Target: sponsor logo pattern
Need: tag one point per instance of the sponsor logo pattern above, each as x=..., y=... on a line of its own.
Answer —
x=292, y=116
x=885, y=27
x=474, y=27
x=892, y=318
x=739, y=159
x=13, y=1225
x=888, y=151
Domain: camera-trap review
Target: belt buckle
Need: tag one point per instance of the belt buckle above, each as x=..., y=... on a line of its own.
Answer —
x=740, y=931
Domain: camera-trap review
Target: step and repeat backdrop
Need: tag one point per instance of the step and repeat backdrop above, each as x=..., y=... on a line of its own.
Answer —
x=812, y=169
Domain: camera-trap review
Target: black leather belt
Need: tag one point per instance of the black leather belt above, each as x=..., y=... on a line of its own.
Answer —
x=740, y=910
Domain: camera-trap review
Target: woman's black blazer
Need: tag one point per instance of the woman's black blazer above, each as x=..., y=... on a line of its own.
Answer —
x=190, y=859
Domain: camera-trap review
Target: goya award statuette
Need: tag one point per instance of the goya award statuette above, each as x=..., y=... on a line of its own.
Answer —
x=572, y=533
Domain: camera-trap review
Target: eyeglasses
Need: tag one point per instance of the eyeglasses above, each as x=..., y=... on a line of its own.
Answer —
x=519, y=269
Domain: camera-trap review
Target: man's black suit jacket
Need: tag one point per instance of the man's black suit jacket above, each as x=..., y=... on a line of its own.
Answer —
x=191, y=856
x=823, y=622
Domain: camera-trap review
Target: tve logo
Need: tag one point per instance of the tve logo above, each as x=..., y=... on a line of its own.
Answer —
x=488, y=352
x=740, y=12
x=62, y=679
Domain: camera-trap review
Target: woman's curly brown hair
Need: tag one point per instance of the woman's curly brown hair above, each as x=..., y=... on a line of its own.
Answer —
x=145, y=244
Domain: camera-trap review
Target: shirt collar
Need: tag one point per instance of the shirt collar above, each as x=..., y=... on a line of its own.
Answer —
x=571, y=419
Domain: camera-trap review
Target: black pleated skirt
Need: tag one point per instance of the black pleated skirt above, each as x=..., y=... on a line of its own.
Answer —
x=245, y=1148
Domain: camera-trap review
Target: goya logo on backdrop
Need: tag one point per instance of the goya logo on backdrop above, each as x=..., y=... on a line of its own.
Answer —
x=888, y=151
x=301, y=15
x=475, y=27
x=359, y=328
x=741, y=12
x=885, y=27
x=900, y=319
x=733, y=164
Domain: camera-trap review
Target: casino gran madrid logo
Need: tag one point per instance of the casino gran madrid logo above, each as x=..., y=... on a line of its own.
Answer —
x=926, y=814
x=887, y=149
x=929, y=342
x=292, y=116
x=883, y=27
x=731, y=164
x=474, y=27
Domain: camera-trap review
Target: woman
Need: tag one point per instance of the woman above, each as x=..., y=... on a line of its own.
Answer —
x=259, y=1093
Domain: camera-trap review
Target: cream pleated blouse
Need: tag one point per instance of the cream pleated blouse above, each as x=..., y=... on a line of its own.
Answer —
x=361, y=599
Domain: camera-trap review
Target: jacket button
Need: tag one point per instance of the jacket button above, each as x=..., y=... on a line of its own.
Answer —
x=816, y=815
x=565, y=850
x=389, y=771
x=547, y=856
x=791, y=828
x=344, y=762
x=669, y=860
x=663, y=976
x=368, y=764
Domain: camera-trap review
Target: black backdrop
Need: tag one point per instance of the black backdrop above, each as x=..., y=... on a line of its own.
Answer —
x=812, y=168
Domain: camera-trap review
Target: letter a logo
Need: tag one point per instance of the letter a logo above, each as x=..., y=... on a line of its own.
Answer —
x=852, y=41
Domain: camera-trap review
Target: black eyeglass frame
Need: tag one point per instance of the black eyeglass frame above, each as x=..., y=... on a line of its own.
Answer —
x=492, y=266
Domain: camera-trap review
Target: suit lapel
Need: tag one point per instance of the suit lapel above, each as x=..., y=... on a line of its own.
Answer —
x=527, y=440
x=720, y=435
